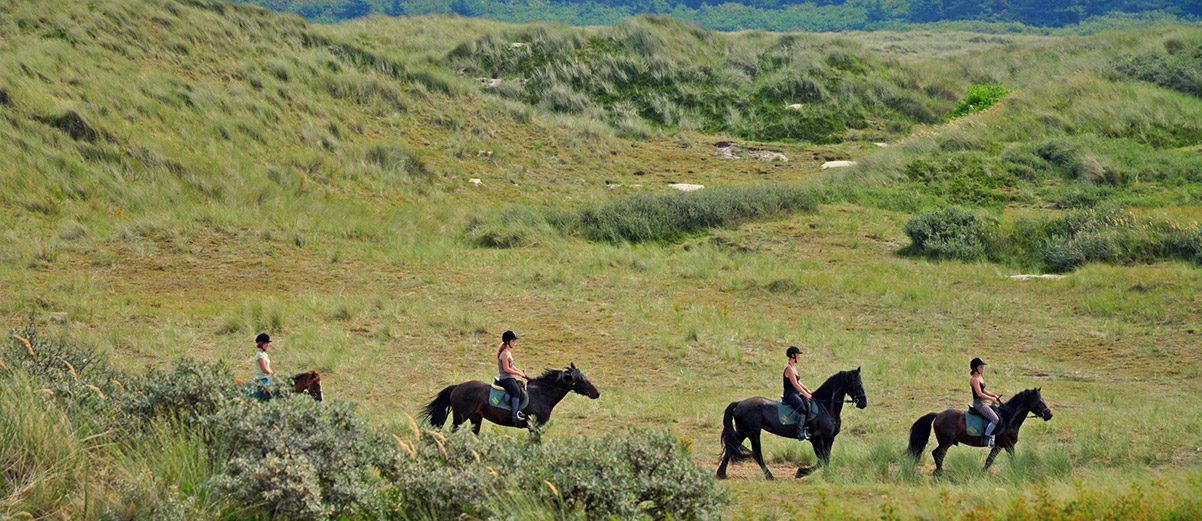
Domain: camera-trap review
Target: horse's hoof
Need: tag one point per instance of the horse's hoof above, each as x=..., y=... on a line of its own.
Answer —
x=769, y=477
x=721, y=475
x=803, y=472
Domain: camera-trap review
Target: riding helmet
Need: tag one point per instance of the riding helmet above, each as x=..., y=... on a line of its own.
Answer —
x=263, y=338
x=793, y=350
x=508, y=335
x=975, y=363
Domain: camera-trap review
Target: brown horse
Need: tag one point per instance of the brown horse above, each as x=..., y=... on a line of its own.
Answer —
x=307, y=382
x=468, y=401
x=950, y=429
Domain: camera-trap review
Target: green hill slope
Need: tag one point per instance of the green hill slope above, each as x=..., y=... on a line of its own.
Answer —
x=180, y=175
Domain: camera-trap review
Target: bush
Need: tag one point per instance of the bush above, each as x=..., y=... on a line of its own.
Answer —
x=665, y=217
x=190, y=391
x=81, y=376
x=979, y=97
x=1057, y=244
x=636, y=475
x=951, y=233
x=300, y=458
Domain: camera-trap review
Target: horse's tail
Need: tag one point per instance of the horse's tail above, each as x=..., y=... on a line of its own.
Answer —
x=920, y=433
x=439, y=408
x=732, y=445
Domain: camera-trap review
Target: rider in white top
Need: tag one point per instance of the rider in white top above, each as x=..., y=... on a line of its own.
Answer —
x=263, y=371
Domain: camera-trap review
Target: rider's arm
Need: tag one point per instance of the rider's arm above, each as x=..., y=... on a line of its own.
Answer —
x=266, y=367
x=791, y=374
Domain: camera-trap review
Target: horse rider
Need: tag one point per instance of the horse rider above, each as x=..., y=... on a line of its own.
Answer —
x=263, y=372
x=982, y=399
x=508, y=375
x=796, y=395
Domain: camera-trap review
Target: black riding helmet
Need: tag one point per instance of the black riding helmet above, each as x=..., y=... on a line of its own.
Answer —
x=263, y=338
x=793, y=350
x=508, y=335
x=975, y=363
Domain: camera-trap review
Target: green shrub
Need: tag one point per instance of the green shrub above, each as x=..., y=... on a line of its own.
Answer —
x=189, y=391
x=949, y=233
x=1060, y=243
x=301, y=459
x=979, y=97
x=629, y=476
x=665, y=217
x=1178, y=66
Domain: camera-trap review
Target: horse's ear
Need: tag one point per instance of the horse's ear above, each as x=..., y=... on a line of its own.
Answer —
x=857, y=369
x=572, y=365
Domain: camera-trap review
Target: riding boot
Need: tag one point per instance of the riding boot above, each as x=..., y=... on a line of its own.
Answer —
x=803, y=432
x=515, y=404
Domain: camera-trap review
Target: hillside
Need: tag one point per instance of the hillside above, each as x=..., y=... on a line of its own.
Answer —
x=387, y=195
x=823, y=15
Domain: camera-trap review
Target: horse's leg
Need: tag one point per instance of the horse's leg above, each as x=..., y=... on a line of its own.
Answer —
x=807, y=470
x=992, y=454
x=822, y=449
x=726, y=457
x=476, y=423
x=937, y=455
x=759, y=455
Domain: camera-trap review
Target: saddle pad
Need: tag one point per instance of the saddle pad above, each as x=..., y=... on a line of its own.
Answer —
x=974, y=424
x=787, y=416
x=497, y=397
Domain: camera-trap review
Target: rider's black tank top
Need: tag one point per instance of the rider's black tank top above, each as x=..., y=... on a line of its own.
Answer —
x=789, y=389
x=974, y=393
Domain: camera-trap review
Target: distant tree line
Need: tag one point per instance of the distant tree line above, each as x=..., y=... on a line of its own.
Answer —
x=813, y=15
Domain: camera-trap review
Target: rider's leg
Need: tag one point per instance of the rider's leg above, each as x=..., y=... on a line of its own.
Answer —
x=988, y=413
x=805, y=419
x=798, y=404
x=515, y=398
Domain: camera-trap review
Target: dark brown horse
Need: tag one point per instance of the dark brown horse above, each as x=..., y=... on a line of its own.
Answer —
x=745, y=420
x=950, y=429
x=468, y=401
x=309, y=382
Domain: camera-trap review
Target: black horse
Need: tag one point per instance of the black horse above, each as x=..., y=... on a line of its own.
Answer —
x=950, y=429
x=468, y=401
x=747, y=418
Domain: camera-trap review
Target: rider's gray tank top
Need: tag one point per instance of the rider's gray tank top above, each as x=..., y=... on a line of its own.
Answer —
x=974, y=392
x=502, y=375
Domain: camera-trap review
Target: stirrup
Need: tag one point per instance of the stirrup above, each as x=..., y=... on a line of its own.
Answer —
x=803, y=433
x=989, y=441
x=519, y=416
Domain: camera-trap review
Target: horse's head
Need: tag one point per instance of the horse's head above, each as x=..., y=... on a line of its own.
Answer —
x=309, y=382
x=1035, y=404
x=855, y=388
x=575, y=380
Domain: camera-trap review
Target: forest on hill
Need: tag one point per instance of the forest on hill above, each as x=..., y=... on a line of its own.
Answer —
x=775, y=15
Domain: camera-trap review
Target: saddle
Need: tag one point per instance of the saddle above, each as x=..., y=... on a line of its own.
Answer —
x=497, y=397
x=788, y=416
x=974, y=423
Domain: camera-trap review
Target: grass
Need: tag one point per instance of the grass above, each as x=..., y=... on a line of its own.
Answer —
x=249, y=172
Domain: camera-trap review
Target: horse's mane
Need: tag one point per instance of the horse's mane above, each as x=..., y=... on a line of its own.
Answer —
x=549, y=376
x=1015, y=401
x=827, y=390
